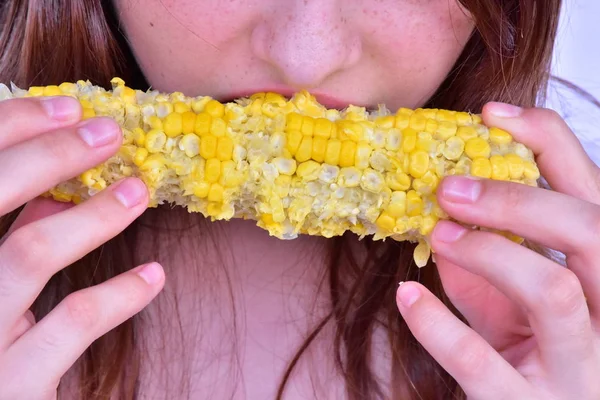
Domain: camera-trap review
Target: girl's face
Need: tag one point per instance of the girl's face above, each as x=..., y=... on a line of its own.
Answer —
x=363, y=52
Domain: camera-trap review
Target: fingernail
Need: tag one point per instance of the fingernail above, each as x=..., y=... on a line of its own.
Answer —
x=408, y=294
x=504, y=110
x=130, y=192
x=61, y=108
x=448, y=232
x=98, y=132
x=461, y=189
x=152, y=273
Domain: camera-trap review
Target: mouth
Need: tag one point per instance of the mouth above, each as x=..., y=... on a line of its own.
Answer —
x=327, y=100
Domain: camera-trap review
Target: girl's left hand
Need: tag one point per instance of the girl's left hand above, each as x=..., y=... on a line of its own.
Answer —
x=534, y=324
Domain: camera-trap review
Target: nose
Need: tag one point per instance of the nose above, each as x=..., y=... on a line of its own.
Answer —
x=306, y=41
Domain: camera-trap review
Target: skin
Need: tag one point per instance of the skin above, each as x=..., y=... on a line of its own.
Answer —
x=532, y=335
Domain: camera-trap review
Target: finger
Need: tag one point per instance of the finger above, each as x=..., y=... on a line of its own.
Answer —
x=25, y=118
x=23, y=324
x=574, y=226
x=36, y=209
x=497, y=319
x=550, y=294
x=47, y=160
x=476, y=366
x=554, y=144
x=51, y=347
x=35, y=252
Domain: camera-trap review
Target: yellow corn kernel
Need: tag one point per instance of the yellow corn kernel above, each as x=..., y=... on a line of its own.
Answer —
x=349, y=130
x=208, y=147
x=229, y=175
x=308, y=126
x=414, y=203
x=294, y=138
x=319, y=148
x=482, y=168
x=476, y=148
x=201, y=189
x=385, y=121
x=431, y=126
x=454, y=148
x=293, y=122
x=466, y=132
x=181, y=107
x=52, y=90
x=308, y=170
x=499, y=136
x=426, y=143
x=531, y=171
x=173, y=124
x=155, y=141
x=155, y=122
x=332, y=154
x=216, y=192
x=188, y=121
x=347, y=153
x=202, y=124
x=140, y=156
x=35, y=91
x=398, y=181
x=190, y=144
x=419, y=163
x=68, y=87
x=88, y=113
x=218, y=127
x=212, y=170
x=386, y=221
x=139, y=136
x=499, y=168
x=362, y=155
x=446, y=130
x=463, y=118
x=446, y=115
x=215, y=109
x=516, y=166
x=305, y=149
x=323, y=128
x=417, y=122
x=224, y=148
x=397, y=206
x=409, y=140
x=402, y=121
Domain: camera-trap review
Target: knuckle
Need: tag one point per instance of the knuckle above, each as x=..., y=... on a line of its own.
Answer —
x=82, y=310
x=58, y=148
x=26, y=249
x=469, y=356
x=513, y=197
x=561, y=292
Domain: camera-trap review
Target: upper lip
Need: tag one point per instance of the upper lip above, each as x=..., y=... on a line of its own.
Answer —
x=326, y=99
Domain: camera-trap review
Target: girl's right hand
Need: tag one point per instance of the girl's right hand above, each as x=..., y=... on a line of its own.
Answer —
x=42, y=143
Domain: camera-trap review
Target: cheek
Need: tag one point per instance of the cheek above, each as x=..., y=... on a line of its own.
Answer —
x=422, y=41
x=178, y=40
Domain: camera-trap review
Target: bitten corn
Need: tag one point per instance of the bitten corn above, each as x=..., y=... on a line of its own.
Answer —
x=292, y=165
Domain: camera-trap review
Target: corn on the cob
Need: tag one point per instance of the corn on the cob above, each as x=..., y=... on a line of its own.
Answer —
x=291, y=164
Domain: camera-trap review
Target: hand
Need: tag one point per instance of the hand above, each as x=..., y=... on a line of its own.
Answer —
x=533, y=323
x=42, y=143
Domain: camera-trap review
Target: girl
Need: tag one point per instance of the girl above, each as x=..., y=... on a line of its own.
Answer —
x=232, y=313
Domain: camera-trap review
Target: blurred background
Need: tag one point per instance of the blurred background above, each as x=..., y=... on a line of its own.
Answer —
x=577, y=59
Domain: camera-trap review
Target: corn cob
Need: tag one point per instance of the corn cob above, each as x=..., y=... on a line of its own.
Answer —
x=292, y=165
